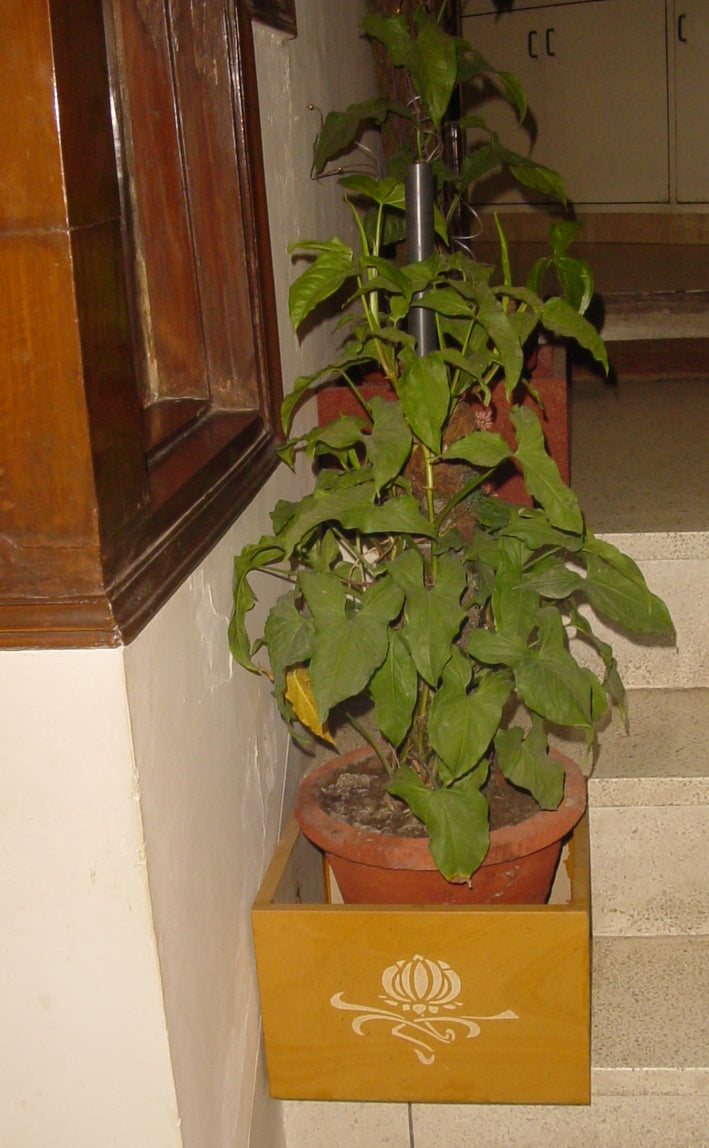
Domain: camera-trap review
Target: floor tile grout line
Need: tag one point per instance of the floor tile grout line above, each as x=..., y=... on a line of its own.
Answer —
x=412, y=1143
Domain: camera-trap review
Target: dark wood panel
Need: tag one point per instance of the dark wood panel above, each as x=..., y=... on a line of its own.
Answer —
x=48, y=522
x=166, y=421
x=115, y=413
x=189, y=523
x=31, y=188
x=257, y=239
x=164, y=280
x=87, y=622
x=207, y=110
x=99, y=521
x=84, y=109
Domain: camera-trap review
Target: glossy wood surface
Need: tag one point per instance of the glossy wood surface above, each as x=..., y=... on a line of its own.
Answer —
x=103, y=507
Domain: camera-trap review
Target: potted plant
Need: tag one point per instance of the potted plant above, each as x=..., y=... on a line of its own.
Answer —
x=408, y=584
x=437, y=618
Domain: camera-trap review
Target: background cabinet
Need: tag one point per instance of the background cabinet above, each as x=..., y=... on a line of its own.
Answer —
x=615, y=87
x=691, y=87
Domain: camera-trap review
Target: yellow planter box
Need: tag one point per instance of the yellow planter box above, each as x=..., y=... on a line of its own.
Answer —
x=486, y=1005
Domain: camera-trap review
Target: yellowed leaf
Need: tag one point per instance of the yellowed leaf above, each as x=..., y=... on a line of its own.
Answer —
x=300, y=695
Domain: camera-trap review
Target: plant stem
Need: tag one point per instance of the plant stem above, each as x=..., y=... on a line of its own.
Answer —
x=364, y=732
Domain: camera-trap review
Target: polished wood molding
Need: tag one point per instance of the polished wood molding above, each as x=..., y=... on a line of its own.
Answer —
x=139, y=361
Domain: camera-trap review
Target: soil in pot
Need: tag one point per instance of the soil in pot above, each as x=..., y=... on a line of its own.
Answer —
x=358, y=796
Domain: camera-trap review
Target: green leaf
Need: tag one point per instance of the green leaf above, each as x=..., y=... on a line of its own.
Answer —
x=525, y=762
x=540, y=178
x=434, y=66
x=502, y=332
x=561, y=318
x=556, y=581
x=324, y=505
x=341, y=129
x=461, y=725
x=541, y=474
x=552, y=683
x=257, y=556
x=576, y=280
x=481, y=448
x=290, y=402
x=612, y=682
x=333, y=267
x=622, y=600
x=393, y=33
x=614, y=557
x=388, y=192
x=495, y=649
x=562, y=234
x=389, y=445
x=433, y=616
x=394, y=689
x=400, y=514
x=425, y=397
x=389, y=276
x=456, y=819
x=446, y=301
x=533, y=529
x=458, y=670
x=348, y=645
x=514, y=609
x=289, y=637
x=341, y=434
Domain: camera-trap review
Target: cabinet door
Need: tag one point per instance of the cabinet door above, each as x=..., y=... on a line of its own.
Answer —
x=595, y=75
x=691, y=32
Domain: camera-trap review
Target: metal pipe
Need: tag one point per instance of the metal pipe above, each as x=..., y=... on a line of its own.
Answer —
x=419, y=245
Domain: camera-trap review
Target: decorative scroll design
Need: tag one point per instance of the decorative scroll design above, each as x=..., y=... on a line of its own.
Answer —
x=422, y=996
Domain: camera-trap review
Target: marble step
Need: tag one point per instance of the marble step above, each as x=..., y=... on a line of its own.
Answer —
x=676, y=567
x=650, y=1076
x=650, y=1018
x=649, y=817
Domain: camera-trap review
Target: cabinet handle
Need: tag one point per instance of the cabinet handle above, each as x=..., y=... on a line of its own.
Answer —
x=531, y=40
x=547, y=39
x=680, y=28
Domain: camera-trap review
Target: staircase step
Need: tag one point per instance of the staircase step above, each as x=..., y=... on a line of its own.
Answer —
x=650, y=1018
x=608, y=1122
x=649, y=870
x=649, y=818
x=663, y=756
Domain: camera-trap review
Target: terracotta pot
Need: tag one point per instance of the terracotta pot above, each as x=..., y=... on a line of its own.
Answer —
x=373, y=868
x=550, y=384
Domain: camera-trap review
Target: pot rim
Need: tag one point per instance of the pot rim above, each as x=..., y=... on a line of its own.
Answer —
x=391, y=852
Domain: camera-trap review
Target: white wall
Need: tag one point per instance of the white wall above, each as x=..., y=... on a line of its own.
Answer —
x=83, y=1050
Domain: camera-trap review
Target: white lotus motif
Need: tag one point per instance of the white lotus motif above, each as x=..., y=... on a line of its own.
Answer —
x=421, y=985
x=422, y=995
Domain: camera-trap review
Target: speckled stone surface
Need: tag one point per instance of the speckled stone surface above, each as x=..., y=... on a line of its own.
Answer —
x=649, y=870
x=650, y=1011
x=639, y=461
x=340, y=1124
x=649, y=817
x=609, y=1122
